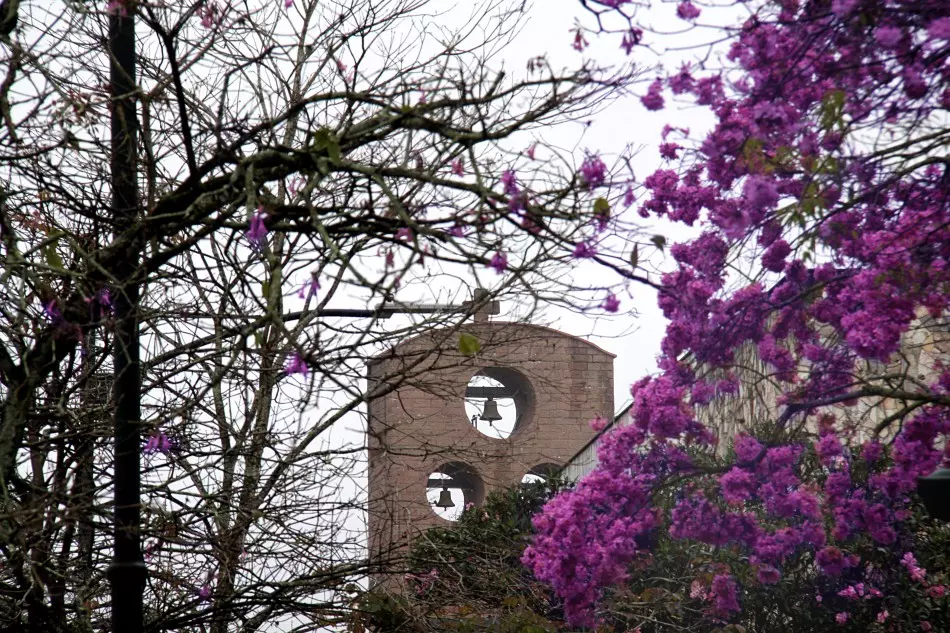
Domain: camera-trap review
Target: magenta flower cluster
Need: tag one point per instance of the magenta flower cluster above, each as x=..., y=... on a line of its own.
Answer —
x=784, y=173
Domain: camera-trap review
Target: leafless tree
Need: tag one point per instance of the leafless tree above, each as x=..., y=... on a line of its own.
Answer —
x=355, y=145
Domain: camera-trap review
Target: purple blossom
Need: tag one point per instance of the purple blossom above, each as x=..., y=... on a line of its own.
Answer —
x=593, y=171
x=831, y=561
x=760, y=193
x=653, y=99
x=668, y=150
x=158, y=442
x=611, y=303
x=598, y=424
x=457, y=167
x=584, y=250
x=309, y=290
x=724, y=594
x=404, y=234
x=509, y=183
x=842, y=617
x=499, y=262
x=686, y=10
x=888, y=36
x=747, y=449
x=628, y=197
x=630, y=39
x=205, y=592
x=51, y=311
x=680, y=83
x=257, y=231
x=296, y=364
x=737, y=485
x=917, y=573
x=768, y=575
x=774, y=257
x=939, y=29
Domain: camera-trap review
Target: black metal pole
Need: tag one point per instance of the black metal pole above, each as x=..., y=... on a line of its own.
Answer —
x=127, y=572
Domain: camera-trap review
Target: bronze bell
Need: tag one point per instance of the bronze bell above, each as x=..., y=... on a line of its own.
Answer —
x=445, y=499
x=490, y=414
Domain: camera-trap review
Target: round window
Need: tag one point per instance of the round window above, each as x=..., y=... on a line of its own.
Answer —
x=498, y=401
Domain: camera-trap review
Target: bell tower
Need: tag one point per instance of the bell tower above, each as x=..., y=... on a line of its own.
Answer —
x=457, y=412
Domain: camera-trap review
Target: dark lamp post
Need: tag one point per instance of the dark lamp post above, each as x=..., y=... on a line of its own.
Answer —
x=934, y=489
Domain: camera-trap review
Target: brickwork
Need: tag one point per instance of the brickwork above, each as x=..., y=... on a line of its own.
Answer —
x=421, y=423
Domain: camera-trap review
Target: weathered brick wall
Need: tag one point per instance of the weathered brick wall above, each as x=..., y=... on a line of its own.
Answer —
x=422, y=424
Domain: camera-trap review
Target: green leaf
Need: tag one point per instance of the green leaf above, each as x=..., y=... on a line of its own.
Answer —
x=324, y=139
x=53, y=260
x=659, y=241
x=832, y=109
x=469, y=345
x=601, y=206
x=635, y=256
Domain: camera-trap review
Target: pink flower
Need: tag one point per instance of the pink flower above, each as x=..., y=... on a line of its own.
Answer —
x=531, y=149
x=937, y=591
x=579, y=42
x=697, y=591
x=882, y=616
x=457, y=167
x=926, y=627
x=404, y=233
x=687, y=10
x=210, y=14
x=910, y=564
x=288, y=4
x=296, y=365
x=611, y=303
x=598, y=424
x=205, y=592
x=842, y=617
x=499, y=262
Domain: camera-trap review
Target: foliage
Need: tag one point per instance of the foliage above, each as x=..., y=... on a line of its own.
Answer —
x=825, y=181
x=468, y=576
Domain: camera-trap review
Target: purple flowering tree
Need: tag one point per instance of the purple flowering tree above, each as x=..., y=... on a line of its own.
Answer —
x=803, y=383
x=299, y=164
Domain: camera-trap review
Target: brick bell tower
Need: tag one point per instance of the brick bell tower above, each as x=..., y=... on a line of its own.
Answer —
x=447, y=427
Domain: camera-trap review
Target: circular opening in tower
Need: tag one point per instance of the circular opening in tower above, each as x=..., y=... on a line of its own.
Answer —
x=498, y=401
x=452, y=487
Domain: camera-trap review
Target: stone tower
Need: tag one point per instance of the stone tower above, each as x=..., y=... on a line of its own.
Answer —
x=425, y=430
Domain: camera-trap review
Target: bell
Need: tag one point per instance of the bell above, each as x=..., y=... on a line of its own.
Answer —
x=445, y=500
x=490, y=414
